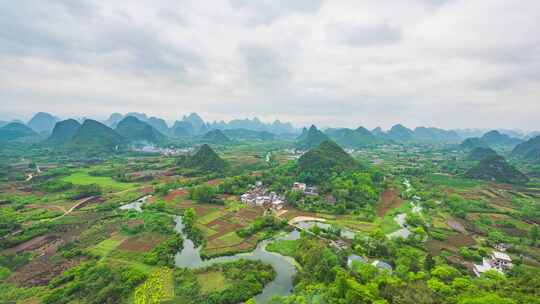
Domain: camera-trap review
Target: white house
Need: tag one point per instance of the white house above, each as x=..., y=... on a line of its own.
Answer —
x=498, y=261
x=299, y=186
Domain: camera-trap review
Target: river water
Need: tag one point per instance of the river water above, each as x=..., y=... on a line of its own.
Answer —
x=284, y=266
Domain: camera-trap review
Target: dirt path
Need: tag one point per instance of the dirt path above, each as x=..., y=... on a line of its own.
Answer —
x=81, y=202
x=298, y=219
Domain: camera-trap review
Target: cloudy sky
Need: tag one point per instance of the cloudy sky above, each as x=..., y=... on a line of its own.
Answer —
x=445, y=63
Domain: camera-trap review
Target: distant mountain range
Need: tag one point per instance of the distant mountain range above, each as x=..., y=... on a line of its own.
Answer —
x=310, y=138
x=193, y=125
x=193, y=128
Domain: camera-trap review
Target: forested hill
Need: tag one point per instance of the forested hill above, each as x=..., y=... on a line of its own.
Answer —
x=320, y=162
x=94, y=136
x=204, y=160
x=136, y=130
x=529, y=150
x=496, y=168
x=64, y=131
x=216, y=137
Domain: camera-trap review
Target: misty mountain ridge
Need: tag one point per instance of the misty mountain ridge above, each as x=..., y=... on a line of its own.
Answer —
x=42, y=122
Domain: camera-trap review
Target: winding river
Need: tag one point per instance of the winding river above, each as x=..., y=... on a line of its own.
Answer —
x=284, y=266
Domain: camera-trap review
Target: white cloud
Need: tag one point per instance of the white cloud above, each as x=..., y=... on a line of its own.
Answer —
x=452, y=63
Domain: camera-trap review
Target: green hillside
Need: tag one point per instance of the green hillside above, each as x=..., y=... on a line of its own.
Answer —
x=135, y=130
x=496, y=138
x=216, y=137
x=94, y=136
x=399, y=133
x=473, y=142
x=64, y=131
x=480, y=153
x=15, y=131
x=319, y=163
x=353, y=139
x=204, y=160
x=529, y=150
x=496, y=168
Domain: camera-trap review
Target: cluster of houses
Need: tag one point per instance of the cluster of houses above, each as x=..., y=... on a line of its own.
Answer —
x=259, y=196
x=498, y=261
x=305, y=189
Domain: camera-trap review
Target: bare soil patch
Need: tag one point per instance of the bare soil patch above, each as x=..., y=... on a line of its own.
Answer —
x=146, y=190
x=41, y=270
x=389, y=200
x=452, y=243
x=33, y=244
x=141, y=243
x=214, y=182
x=456, y=225
x=174, y=194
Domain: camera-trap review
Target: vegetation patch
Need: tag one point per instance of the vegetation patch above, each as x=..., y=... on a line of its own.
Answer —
x=142, y=243
x=212, y=281
x=82, y=177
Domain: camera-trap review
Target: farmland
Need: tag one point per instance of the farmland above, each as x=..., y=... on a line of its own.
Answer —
x=65, y=227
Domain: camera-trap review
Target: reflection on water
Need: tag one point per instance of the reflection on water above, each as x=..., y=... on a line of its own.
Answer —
x=136, y=205
x=346, y=233
x=189, y=257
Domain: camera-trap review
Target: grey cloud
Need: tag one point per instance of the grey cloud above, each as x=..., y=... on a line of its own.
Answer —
x=76, y=31
x=265, y=67
x=344, y=62
x=364, y=35
x=266, y=11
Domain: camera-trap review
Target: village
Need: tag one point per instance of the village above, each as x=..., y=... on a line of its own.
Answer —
x=259, y=196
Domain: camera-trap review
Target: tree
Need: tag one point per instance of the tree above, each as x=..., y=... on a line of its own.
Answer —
x=189, y=217
x=203, y=193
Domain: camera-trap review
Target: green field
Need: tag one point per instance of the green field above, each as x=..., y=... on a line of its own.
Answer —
x=81, y=177
x=212, y=281
x=105, y=247
x=284, y=247
x=210, y=217
x=453, y=182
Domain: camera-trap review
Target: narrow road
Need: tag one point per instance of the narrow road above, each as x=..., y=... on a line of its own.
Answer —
x=79, y=203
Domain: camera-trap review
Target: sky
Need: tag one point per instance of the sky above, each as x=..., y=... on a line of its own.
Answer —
x=342, y=63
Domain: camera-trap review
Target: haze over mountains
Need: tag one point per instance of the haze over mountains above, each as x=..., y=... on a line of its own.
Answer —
x=121, y=129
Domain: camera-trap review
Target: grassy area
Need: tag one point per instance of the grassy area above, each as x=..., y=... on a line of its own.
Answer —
x=387, y=223
x=212, y=281
x=81, y=177
x=230, y=239
x=284, y=247
x=206, y=231
x=453, y=182
x=105, y=247
x=210, y=217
